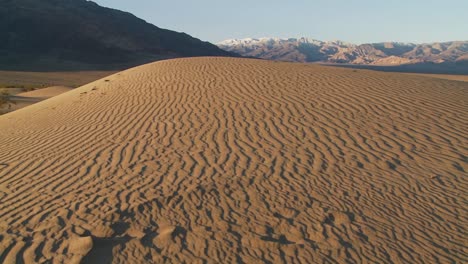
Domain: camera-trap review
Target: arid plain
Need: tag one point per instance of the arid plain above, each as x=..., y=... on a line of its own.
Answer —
x=222, y=160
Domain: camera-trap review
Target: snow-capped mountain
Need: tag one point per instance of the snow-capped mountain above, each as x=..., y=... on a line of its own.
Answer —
x=312, y=50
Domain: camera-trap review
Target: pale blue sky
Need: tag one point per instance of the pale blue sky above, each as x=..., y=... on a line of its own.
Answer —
x=357, y=21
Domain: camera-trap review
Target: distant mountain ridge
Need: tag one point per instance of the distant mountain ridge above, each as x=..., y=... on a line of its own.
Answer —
x=384, y=54
x=81, y=34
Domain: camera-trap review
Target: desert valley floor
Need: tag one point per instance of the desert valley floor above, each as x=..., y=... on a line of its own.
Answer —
x=220, y=160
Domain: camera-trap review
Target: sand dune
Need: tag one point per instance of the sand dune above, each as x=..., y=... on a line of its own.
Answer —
x=216, y=160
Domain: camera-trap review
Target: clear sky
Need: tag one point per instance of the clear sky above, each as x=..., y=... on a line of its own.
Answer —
x=356, y=21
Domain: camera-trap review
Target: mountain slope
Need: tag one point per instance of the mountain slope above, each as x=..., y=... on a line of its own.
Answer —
x=308, y=50
x=79, y=32
x=222, y=160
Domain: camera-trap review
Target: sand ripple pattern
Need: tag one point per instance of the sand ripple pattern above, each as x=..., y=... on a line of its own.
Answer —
x=217, y=160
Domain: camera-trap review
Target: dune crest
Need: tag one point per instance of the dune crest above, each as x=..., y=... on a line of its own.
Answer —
x=238, y=161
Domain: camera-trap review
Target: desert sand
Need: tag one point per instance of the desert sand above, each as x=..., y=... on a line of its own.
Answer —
x=220, y=160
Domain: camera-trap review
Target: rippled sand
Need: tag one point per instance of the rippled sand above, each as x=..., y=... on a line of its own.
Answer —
x=218, y=160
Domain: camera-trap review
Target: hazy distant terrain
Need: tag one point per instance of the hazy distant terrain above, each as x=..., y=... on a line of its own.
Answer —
x=34, y=80
x=224, y=160
x=79, y=34
x=445, y=57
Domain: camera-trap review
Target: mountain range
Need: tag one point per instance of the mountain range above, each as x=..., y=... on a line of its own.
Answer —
x=79, y=34
x=383, y=54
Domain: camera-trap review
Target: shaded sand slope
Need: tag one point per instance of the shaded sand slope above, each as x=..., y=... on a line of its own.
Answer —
x=46, y=92
x=21, y=100
x=461, y=78
x=237, y=160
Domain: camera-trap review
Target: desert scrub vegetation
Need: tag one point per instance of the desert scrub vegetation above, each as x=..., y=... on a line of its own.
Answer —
x=24, y=87
x=5, y=100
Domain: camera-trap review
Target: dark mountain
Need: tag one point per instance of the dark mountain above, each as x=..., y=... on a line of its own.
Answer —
x=81, y=34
